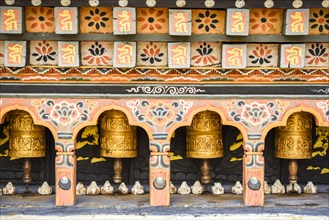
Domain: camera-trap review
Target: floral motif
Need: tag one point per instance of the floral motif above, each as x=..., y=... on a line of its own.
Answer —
x=160, y=112
x=317, y=54
x=40, y=19
x=320, y=21
x=64, y=113
x=44, y=52
x=97, y=55
x=152, y=20
x=207, y=20
x=151, y=53
x=261, y=55
x=97, y=18
x=325, y=107
x=255, y=113
x=205, y=55
x=265, y=21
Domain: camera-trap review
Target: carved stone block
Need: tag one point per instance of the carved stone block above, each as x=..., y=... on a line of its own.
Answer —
x=197, y=188
x=45, y=189
x=180, y=22
x=124, y=21
x=68, y=53
x=292, y=55
x=97, y=53
x=107, y=188
x=208, y=21
x=66, y=20
x=184, y=189
x=11, y=20
x=310, y=188
x=152, y=54
x=237, y=22
x=93, y=189
x=96, y=20
x=15, y=53
x=137, y=189
x=237, y=188
x=262, y=55
x=124, y=54
x=234, y=56
x=81, y=189
x=40, y=19
x=277, y=188
x=217, y=189
x=9, y=189
x=43, y=53
x=179, y=55
x=206, y=54
x=296, y=22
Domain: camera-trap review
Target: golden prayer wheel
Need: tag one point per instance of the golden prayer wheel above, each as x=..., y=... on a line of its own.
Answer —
x=27, y=140
x=204, y=140
x=118, y=139
x=294, y=141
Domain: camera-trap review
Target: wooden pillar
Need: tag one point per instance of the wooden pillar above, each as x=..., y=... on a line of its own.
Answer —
x=65, y=173
x=159, y=173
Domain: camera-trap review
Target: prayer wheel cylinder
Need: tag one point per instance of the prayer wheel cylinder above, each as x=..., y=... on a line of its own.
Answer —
x=118, y=138
x=294, y=141
x=27, y=140
x=204, y=136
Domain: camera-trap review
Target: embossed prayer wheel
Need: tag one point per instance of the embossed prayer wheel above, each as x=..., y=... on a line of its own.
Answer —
x=27, y=140
x=118, y=139
x=204, y=140
x=294, y=141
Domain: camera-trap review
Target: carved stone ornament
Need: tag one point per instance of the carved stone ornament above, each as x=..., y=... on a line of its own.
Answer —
x=184, y=189
x=151, y=3
x=65, y=2
x=269, y=3
x=80, y=189
x=107, y=188
x=173, y=188
x=9, y=189
x=325, y=3
x=123, y=189
x=93, y=3
x=237, y=188
x=45, y=189
x=197, y=188
x=294, y=188
x=267, y=188
x=93, y=189
x=137, y=189
x=277, y=187
x=180, y=3
x=240, y=3
x=10, y=2
x=217, y=189
x=123, y=3
x=36, y=2
x=297, y=3
x=310, y=188
x=209, y=3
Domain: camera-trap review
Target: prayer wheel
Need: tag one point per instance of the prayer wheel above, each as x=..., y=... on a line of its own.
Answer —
x=204, y=140
x=118, y=140
x=27, y=140
x=294, y=141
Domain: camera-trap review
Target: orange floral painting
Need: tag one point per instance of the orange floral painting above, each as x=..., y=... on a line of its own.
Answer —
x=265, y=21
x=40, y=19
x=151, y=20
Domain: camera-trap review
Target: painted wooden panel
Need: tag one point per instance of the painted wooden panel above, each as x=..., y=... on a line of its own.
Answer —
x=262, y=55
x=265, y=21
x=179, y=55
x=234, y=56
x=124, y=54
x=124, y=21
x=292, y=55
x=40, y=19
x=152, y=54
x=43, y=53
x=66, y=20
x=97, y=53
x=237, y=22
x=68, y=54
x=317, y=55
x=96, y=20
x=206, y=54
x=180, y=22
x=11, y=20
x=208, y=21
x=297, y=22
x=15, y=53
x=152, y=21
x=319, y=21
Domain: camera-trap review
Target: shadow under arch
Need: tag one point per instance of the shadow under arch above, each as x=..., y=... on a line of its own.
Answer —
x=36, y=121
x=316, y=115
x=98, y=113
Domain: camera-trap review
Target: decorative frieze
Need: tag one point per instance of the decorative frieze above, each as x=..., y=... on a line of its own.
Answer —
x=234, y=56
x=237, y=22
x=292, y=56
x=15, y=53
x=180, y=22
x=68, y=54
x=124, y=21
x=11, y=20
x=297, y=22
x=179, y=55
x=66, y=20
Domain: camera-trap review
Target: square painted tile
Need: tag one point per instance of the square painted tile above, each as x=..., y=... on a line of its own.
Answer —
x=179, y=55
x=15, y=53
x=292, y=55
x=96, y=20
x=97, y=53
x=265, y=21
x=2, y=52
x=206, y=54
x=319, y=21
x=296, y=22
x=152, y=54
x=66, y=20
x=43, y=53
x=124, y=21
x=180, y=22
x=317, y=55
x=11, y=20
x=208, y=21
x=262, y=55
x=40, y=19
x=68, y=53
x=237, y=22
x=234, y=56
x=152, y=21
x=124, y=54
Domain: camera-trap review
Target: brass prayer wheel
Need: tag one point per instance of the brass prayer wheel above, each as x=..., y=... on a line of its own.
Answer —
x=204, y=140
x=294, y=141
x=204, y=136
x=27, y=140
x=118, y=139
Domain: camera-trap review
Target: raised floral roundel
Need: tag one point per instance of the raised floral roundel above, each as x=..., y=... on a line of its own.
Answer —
x=208, y=22
x=96, y=20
